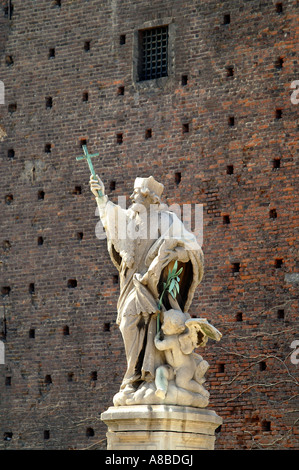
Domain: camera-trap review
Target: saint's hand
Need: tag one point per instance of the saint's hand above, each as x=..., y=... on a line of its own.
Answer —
x=96, y=185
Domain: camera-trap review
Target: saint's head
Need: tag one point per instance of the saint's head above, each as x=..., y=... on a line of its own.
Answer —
x=147, y=191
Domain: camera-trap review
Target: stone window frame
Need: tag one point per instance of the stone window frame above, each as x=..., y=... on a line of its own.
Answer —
x=155, y=82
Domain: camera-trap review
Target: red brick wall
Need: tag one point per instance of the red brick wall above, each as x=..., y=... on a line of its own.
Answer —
x=252, y=380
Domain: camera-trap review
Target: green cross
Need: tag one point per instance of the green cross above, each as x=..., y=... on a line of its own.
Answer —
x=87, y=156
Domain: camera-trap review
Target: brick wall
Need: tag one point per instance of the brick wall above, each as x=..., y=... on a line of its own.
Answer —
x=239, y=158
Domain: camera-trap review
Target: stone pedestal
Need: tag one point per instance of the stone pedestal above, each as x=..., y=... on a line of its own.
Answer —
x=160, y=427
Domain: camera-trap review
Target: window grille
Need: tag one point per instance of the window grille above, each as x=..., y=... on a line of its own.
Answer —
x=153, y=53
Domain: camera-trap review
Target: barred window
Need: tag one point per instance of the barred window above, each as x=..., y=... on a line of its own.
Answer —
x=153, y=53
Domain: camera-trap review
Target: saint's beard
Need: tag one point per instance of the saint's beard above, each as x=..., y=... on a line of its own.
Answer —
x=139, y=208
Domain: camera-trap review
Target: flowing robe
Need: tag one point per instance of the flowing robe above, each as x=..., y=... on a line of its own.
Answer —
x=143, y=244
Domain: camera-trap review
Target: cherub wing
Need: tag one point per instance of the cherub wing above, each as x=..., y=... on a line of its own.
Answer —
x=200, y=330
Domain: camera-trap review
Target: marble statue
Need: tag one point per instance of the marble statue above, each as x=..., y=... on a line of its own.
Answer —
x=160, y=264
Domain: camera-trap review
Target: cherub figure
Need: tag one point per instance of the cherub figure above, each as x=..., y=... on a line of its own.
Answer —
x=178, y=340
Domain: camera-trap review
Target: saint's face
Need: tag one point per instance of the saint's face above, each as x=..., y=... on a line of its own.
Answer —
x=138, y=198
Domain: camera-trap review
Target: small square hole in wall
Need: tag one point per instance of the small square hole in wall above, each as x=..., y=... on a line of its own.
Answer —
x=112, y=185
x=226, y=219
x=235, y=267
x=221, y=368
x=5, y=291
x=278, y=114
x=177, y=177
x=121, y=91
x=41, y=195
x=184, y=80
x=48, y=148
x=7, y=436
x=66, y=330
x=9, y=60
x=77, y=190
x=11, y=154
x=278, y=263
x=48, y=379
x=280, y=314
x=262, y=366
x=226, y=18
x=279, y=63
x=230, y=71
x=40, y=241
x=82, y=142
x=279, y=8
x=46, y=434
x=115, y=279
x=51, y=53
x=8, y=199
x=89, y=432
x=72, y=283
x=32, y=333
x=273, y=214
x=276, y=163
x=12, y=108
x=79, y=236
x=70, y=376
x=107, y=326
x=94, y=376
x=7, y=381
x=85, y=97
x=231, y=121
x=31, y=288
x=122, y=39
x=119, y=138
x=148, y=134
x=239, y=316
x=230, y=169
x=57, y=3
x=49, y=102
x=266, y=426
x=87, y=46
x=185, y=128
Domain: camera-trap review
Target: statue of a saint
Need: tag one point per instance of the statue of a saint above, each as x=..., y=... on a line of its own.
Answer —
x=145, y=242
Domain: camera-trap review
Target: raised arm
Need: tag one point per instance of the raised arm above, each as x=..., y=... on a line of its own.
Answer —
x=96, y=184
x=113, y=219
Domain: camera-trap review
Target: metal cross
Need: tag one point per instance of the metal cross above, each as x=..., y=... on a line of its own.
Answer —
x=87, y=156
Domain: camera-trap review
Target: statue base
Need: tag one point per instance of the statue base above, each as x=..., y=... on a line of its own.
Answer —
x=160, y=427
